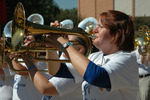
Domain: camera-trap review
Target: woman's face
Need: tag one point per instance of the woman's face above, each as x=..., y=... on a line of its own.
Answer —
x=103, y=37
x=29, y=39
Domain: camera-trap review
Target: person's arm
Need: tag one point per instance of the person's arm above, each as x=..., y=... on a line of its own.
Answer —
x=52, y=66
x=15, y=65
x=145, y=59
x=18, y=66
x=89, y=71
x=79, y=61
x=41, y=82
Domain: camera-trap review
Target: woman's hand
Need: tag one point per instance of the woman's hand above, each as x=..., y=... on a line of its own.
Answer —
x=26, y=59
x=56, y=24
x=55, y=41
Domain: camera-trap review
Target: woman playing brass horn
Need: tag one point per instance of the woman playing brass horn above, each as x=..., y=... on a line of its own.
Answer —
x=113, y=69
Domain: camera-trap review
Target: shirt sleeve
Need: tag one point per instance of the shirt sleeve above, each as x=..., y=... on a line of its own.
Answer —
x=64, y=72
x=97, y=76
x=64, y=81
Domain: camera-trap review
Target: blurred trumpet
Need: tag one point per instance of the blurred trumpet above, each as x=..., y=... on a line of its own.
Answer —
x=142, y=42
x=145, y=29
x=88, y=24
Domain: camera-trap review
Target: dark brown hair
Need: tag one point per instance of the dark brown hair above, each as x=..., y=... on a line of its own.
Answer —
x=121, y=28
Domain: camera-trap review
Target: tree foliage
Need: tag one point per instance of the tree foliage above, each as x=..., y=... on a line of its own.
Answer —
x=47, y=8
x=69, y=14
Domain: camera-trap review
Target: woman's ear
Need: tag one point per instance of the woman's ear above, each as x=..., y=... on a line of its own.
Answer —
x=113, y=39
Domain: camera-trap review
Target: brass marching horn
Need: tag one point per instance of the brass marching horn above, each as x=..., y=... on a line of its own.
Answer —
x=22, y=27
x=6, y=37
x=67, y=24
x=88, y=24
x=142, y=39
x=36, y=18
x=8, y=29
x=145, y=29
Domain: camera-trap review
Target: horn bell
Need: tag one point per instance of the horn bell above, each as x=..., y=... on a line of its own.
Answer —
x=88, y=24
x=67, y=24
x=8, y=29
x=36, y=18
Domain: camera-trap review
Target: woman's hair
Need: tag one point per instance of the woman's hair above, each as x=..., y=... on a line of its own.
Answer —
x=121, y=28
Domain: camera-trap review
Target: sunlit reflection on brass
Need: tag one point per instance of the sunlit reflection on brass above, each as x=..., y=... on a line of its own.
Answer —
x=18, y=27
x=145, y=29
x=142, y=42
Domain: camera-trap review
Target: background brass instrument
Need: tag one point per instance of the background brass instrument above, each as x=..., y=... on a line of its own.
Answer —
x=142, y=40
x=36, y=18
x=22, y=27
x=8, y=29
x=145, y=28
x=67, y=24
x=88, y=24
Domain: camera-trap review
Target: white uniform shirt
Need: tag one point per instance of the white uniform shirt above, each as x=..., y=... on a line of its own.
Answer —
x=123, y=72
x=76, y=75
x=68, y=89
x=24, y=89
x=6, y=86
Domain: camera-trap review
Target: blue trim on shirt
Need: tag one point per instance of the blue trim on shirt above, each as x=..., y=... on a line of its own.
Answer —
x=97, y=76
x=64, y=72
x=46, y=97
